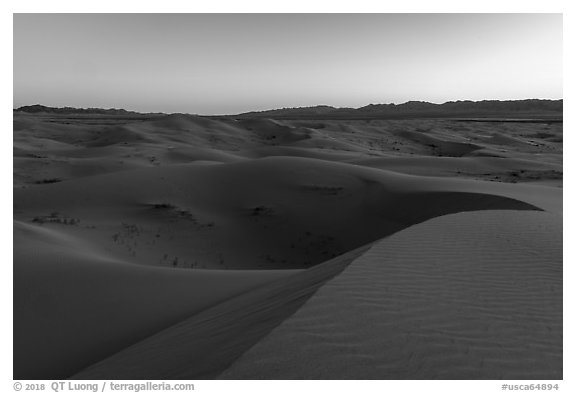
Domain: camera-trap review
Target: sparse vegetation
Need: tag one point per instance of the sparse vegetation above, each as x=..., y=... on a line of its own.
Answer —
x=324, y=189
x=163, y=206
x=179, y=213
x=262, y=211
x=55, y=218
x=48, y=181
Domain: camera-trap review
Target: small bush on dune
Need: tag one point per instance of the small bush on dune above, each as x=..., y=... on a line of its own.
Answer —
x=48, y=181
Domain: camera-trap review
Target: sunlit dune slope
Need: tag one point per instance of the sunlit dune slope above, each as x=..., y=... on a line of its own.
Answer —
x=475, y=295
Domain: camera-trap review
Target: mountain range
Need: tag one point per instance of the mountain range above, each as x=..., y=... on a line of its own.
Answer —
x=527, y=107
x=410, y=109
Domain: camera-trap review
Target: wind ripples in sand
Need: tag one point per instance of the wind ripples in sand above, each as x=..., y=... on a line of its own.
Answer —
x=474, y=295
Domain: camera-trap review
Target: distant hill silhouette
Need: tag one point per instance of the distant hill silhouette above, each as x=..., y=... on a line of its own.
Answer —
x=68, y=110
x=492, y=108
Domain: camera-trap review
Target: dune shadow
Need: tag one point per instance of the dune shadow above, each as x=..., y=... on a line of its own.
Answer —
x=206, y=344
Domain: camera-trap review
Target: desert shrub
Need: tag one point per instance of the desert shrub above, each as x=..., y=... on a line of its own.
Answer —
x=55, y=218
x=48, y=181
x=163, y=206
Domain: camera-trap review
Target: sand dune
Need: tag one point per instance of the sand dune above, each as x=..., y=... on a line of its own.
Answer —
x=440, y=147
x=483, y=168
x=187, y=138
x=204, y=345
x=75, y=304
x=154, y=215
x=465, y=296
x=167, y=247
x=207, y=354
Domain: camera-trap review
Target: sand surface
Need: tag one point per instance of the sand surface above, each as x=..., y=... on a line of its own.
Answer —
x=76, y=304
x=464, y=296
x=202, y=346
x=167, y=247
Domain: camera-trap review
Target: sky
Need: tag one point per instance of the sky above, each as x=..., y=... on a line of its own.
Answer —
x=233, y=63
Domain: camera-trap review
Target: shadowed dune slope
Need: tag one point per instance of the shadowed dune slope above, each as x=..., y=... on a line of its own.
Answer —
x=222, y=215
x=74, y=304
x=466, y=296
x=445, y=148
x=204, y=345
x=488, y=168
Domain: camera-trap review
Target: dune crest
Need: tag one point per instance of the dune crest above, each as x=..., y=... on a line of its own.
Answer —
x=466, y=296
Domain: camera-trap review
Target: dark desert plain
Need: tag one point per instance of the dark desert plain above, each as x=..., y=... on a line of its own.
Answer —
x=415, y=241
